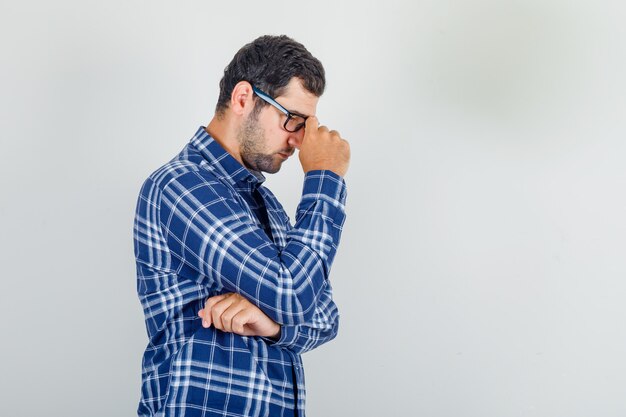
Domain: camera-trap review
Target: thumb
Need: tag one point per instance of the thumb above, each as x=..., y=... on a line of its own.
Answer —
x=312, y=123
x=310, y=129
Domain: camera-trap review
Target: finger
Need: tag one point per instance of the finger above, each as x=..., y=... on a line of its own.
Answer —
x=205, y=323
x=227, y=316
x=211, y=301
x=240, y=320
x=205, y=313
x=311, y=124
x=217, y=309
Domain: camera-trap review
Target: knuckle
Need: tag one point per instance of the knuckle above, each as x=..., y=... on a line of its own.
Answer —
x=217, y=315
x=238, y=322
x=211, y=301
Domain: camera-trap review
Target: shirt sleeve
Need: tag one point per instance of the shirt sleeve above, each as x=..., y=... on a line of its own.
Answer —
x=207, y=228
x=322, y=328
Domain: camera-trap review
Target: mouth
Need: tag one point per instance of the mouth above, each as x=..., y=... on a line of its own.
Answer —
x=285, y=155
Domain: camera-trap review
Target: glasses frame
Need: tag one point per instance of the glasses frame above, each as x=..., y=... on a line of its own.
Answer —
x=269, y=99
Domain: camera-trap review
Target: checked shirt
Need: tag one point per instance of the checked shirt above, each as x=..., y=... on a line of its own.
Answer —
x=205, y=225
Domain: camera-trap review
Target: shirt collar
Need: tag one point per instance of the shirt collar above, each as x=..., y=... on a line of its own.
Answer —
x=225, y=164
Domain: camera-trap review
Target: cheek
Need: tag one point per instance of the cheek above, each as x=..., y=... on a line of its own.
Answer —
x=271, y=124
x=276, y=137
x=269, y=117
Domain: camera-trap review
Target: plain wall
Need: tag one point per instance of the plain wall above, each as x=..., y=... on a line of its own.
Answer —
x=481, y=271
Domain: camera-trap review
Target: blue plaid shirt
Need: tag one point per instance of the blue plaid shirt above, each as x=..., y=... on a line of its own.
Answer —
x=199, y=232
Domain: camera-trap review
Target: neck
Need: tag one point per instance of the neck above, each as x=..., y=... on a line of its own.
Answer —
x=224, y=131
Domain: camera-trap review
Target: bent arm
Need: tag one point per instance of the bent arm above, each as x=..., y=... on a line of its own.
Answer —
x=208, y=229
x=233, y=313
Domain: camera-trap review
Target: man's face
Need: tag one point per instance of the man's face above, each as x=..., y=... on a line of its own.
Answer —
x=264, y=143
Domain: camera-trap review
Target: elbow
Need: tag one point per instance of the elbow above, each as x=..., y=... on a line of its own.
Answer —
x=299, y=291
x=301, y=311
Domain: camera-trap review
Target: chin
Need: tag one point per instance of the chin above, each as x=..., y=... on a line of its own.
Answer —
x=273, y=170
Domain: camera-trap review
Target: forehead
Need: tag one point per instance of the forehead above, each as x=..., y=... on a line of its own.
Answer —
x=297, y=99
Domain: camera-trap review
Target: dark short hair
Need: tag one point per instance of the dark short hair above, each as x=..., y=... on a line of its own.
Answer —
x=269, y=63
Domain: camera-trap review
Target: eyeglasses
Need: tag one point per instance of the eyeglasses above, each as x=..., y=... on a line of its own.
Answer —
x=294, y=121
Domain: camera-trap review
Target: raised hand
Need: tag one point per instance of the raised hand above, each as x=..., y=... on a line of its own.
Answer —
x=323, y=149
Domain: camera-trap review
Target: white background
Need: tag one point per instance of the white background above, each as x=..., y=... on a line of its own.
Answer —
x=482, y=266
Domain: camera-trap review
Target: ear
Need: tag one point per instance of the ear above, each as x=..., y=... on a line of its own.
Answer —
x=241, y=99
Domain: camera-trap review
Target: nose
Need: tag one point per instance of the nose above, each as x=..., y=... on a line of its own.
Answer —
x=295, y=138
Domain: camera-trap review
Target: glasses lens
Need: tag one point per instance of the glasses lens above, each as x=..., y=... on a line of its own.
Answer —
x=294, y=123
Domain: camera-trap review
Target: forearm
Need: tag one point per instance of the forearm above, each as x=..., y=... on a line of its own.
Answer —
x=234, y=313
x=302, y=338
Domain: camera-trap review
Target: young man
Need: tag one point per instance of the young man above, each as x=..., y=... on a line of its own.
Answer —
x=232, y=292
